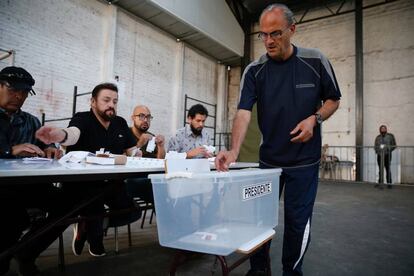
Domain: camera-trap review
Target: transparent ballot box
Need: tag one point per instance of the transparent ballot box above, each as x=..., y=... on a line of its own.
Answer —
x=215, y=212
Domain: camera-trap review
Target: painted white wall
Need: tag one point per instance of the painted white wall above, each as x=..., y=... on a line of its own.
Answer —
x=145, y=63
x=213, y=18
x=200, y=81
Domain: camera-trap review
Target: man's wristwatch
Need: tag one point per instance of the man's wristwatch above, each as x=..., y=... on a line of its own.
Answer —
x=65, y=138
x=6, y=153
x=319, y=119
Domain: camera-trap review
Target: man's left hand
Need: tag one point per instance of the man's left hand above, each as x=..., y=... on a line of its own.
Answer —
x=159, y=140
x=53, y=153
x=305, y=130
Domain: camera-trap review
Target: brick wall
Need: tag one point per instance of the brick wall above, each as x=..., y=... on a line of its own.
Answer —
x=77, y=42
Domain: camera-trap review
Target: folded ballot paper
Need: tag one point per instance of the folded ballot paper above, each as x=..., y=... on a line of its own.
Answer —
x=112, y=159
x=37, y=160
x=100, y=157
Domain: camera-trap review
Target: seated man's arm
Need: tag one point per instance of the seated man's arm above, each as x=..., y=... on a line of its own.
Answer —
x=173, y=144
x=160, y=142
x=66, y=136
x=26, y=150
x=134, y=152
x=145, y=137
x=53, y=152
x=199, y=151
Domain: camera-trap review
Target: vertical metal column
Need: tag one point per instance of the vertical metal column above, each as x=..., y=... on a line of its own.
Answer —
x=382, y=164
x=247, y=44
x=43, y=118
x=359, y=89
x=185, y=109
x=215, y=124
x=75, y=96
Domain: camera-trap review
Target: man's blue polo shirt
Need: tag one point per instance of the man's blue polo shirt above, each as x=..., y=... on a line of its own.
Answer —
x=286, y=93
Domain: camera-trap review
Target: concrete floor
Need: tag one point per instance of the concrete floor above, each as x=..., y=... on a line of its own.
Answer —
x=357, y=230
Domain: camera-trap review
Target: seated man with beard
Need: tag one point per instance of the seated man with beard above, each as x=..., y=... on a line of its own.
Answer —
x=141, y=122
x=192, y=138
x=90, y=131
x=141, y=119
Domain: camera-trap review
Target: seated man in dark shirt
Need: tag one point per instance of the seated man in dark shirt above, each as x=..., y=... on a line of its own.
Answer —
x=141, y=119
x=17, y=140
x=90, y=131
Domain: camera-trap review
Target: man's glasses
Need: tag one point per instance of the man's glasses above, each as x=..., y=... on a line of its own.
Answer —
x=142, y=117
x=273, y=35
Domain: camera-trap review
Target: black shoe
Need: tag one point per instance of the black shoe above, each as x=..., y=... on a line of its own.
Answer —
x=79, y=238
x=27, y=268
x=4, y=266
x=97, y=249
x=256, y=272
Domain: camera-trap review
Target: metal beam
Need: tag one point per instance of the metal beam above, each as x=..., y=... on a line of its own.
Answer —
x=339, y=12
x=359, y=89
x=246, y=59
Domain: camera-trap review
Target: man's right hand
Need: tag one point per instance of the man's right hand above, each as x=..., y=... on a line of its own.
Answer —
x=49, y=135
x=224, y=159
x=143, y=139
x=27, y=150
x=199, y=151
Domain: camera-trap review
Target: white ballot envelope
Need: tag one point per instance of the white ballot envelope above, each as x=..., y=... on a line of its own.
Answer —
x=151, y=145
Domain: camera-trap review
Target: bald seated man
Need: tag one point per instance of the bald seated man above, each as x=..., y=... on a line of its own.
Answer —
x=141, y=118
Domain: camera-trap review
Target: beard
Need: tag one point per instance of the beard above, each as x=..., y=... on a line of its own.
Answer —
x=196, y=131
x=144, y=127
x=106, y=116
x=383, y=133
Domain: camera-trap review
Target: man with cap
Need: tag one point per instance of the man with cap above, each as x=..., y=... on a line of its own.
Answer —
x=17, y=140
x=18, y=127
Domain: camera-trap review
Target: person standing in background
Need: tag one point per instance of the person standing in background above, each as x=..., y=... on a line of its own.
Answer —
x=384, y=144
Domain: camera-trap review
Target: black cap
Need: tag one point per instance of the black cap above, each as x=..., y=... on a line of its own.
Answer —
x=18, y=78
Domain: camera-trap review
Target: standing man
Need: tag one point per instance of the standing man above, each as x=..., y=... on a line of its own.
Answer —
x=17, y=140
x=295, y=90
x=384, y=144
x=192, y=138
x=141, y=119
x=90, y=131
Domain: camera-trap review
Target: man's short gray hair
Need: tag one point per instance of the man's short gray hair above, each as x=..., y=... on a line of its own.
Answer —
x=286, y=12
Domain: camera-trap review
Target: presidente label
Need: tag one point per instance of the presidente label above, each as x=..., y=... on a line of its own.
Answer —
x=256, y=190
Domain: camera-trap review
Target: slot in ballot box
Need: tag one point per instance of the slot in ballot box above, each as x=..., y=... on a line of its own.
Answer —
x=215, y=212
